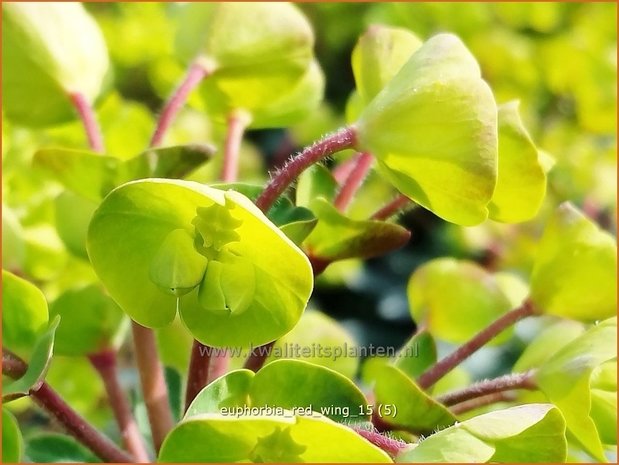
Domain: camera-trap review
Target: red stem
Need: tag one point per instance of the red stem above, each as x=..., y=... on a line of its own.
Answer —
x=444, y=366
x=197, y=377
x=196, y=73
x=219, y=364
x=152, y=378
x=105, y=364
x=258, y=356
x=237, y=123
x=391, y=446
x=393, y=207
x=87, y=115
x=490, y=386
x=72, y=422
x=354, y=180
x=479, y=402
x=342, y=139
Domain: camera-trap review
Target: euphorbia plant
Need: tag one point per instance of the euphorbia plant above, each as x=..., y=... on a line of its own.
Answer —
x=225, y=269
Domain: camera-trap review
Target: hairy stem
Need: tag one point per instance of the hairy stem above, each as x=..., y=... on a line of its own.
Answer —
x=87, y=115
x=152, y=378
x=105, y=364
x=391, y=446
x=444, y=366
x=71, y=421
x=490, y=386
x=197, y=377
x=237, y=123
x=342, y=139
x=479, y=402
x=258, y=356
x=196, y=73
x=391, y=208
x=354, y=180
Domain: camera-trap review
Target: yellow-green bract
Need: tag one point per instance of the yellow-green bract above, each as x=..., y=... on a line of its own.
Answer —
x=259, y=56
x=49, y=51
x=433, y=130
x=236, y=278
x=575, y=269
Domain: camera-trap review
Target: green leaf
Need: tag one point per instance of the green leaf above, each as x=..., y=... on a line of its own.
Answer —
x=57, y=448
x=317, y=328
x=547, y=343
x=24, y=313
x=414, y=409
x=12, y=441
x=167, y=162
x=574, y=258
x=298, y=384
x=72, y=215
x=216, y=438
x=337, y=237
x=378, y=56
x=417, y=354
x=433, y=130
x=255, y=307
x=566, y=379
x=13, y=246
x=60, y=49
x=526, y=433
x=228, y=391
x=174, y=383
x=90, y=321
x=604, y=401
x=88, y=174
x=288, y=384
x=37, y=366
x=455, y=299
x=521, y=184
x=316, y=181
x=257, y=71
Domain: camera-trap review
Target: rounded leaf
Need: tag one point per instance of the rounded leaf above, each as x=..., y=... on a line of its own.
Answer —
x=575, y=269
x=89, y=323
x=521, y=184
x=455, y=299
x=12, y=441
x=378, y=56
x=433, y=130
x=257, y=54
x=275, y=438
x=226, y=307
x=24, y=313
x=50, y=50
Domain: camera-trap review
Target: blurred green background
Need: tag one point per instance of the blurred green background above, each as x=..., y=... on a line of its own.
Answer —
x=558, y=59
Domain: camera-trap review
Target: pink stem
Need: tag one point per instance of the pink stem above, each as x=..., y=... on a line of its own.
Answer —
x=194, y=76
x=105, y=364
x=152, y=379
x=343, y=139
x=237, y=122
x=258, y=356
x=219, y=364
x=444, y=366
x=342, y=170
x=354, y=180
x=199, y=365
x=87, y=115
x=391, y=446
x=490, y=386
x=393, y=207
x=71, y=421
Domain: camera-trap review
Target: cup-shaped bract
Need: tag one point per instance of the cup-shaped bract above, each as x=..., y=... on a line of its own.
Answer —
x=49, y=51
x=575, y=269
x=433, y=130
x=158, y=245
x=378, y=56
x=255, y=53
x=521, y=184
